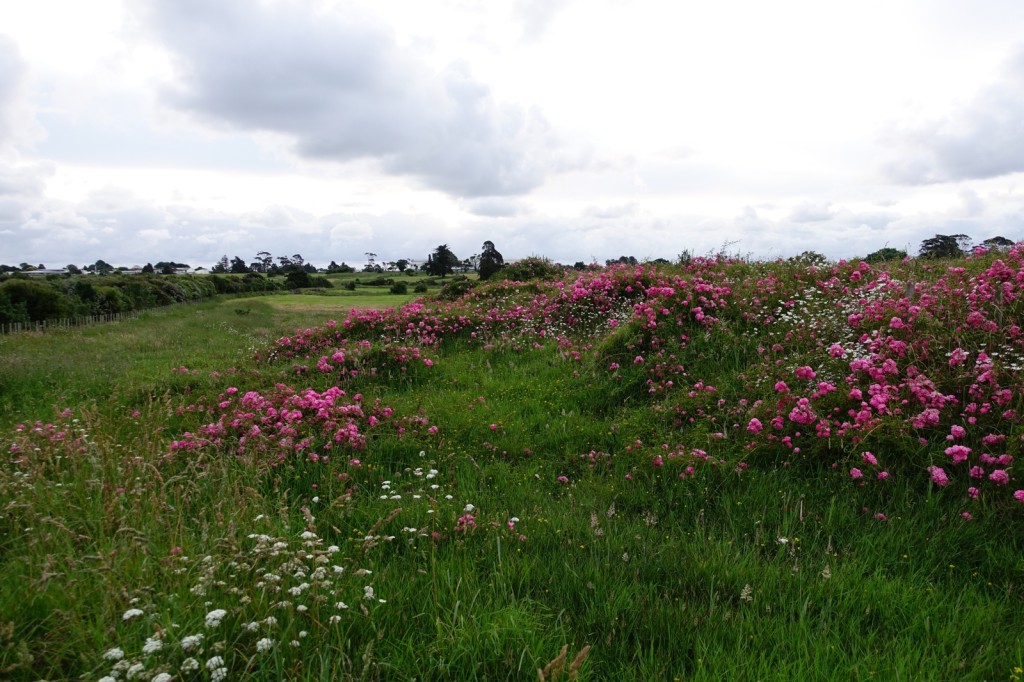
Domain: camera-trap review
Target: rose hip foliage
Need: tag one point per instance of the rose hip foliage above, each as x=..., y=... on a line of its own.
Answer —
x=893, y=369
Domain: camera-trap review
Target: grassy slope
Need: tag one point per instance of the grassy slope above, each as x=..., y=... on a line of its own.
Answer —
x=777, y=573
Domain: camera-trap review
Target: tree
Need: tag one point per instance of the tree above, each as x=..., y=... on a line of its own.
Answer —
x=72, y=269
x=490, y=260
x=402, y=264
x=263, y=262
x=221, y=266
x=810, y=258
x=100, y=267
x=148, y=269
x=442, y=261
x=882, y=255
x=343, y=268
x=945, y=246
x=298, y=278
x=997, y=243
x=623, y=260
x=238, y=266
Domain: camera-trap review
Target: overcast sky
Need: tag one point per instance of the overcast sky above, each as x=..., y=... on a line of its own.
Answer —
x=145, y=130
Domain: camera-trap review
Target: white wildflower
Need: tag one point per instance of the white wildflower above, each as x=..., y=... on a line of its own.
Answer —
x=265, y=644
x=152, y=645
x=135, y=671
x=334, y=619
x=191, y=642
x=341, y=605
x=214, y=663
x=368, y=592
x=308, y=535
x=162, y=677
x=213, y=618
x=469, y=508
x=189, y=665
x=115, y=654
x=132, y=613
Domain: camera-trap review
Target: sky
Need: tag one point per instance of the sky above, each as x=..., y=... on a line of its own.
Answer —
x=139, y=131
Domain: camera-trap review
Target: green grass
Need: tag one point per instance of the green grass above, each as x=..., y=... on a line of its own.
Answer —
x=769, y=574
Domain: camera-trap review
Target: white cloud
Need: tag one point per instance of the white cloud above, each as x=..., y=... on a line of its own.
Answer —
x=341, y=88
x=982, y=138
x=536, y=15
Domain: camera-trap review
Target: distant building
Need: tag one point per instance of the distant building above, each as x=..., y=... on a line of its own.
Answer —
x=40, y=272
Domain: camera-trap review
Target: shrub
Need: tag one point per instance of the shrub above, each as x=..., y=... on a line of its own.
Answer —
x=399, y=288
x=39, y=300
x=455, y=289
x=532, y=268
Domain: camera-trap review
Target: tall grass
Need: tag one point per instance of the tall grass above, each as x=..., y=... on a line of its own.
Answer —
x=469, y=490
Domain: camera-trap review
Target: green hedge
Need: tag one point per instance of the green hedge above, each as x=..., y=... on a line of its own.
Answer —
x=34, y=300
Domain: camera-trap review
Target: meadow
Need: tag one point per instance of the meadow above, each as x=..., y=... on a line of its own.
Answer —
x=718, y=470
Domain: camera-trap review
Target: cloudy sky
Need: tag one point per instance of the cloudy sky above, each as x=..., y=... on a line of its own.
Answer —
x=145, y=130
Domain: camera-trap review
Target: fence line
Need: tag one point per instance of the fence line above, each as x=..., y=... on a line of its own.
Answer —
x=66, y=323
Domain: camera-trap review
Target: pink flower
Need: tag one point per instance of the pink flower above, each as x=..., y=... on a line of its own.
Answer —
x=856, y=473
x=967, y=516
x=564, y=480
x=781, y=387
x=999, y=476
x=836, y=351
x=1018, y=495
x=869, y=458
x=494, y=427
x=957, y=432
x=882, y=475
x=973, y=492
x=755, y=425
x=938, y=476
x=638, y=360
x=958, y=453
x=805, y=372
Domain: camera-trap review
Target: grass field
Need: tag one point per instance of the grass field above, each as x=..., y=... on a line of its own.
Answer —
x=723, y=471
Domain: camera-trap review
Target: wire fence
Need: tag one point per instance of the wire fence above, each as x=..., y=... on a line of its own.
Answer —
x=65, y=323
